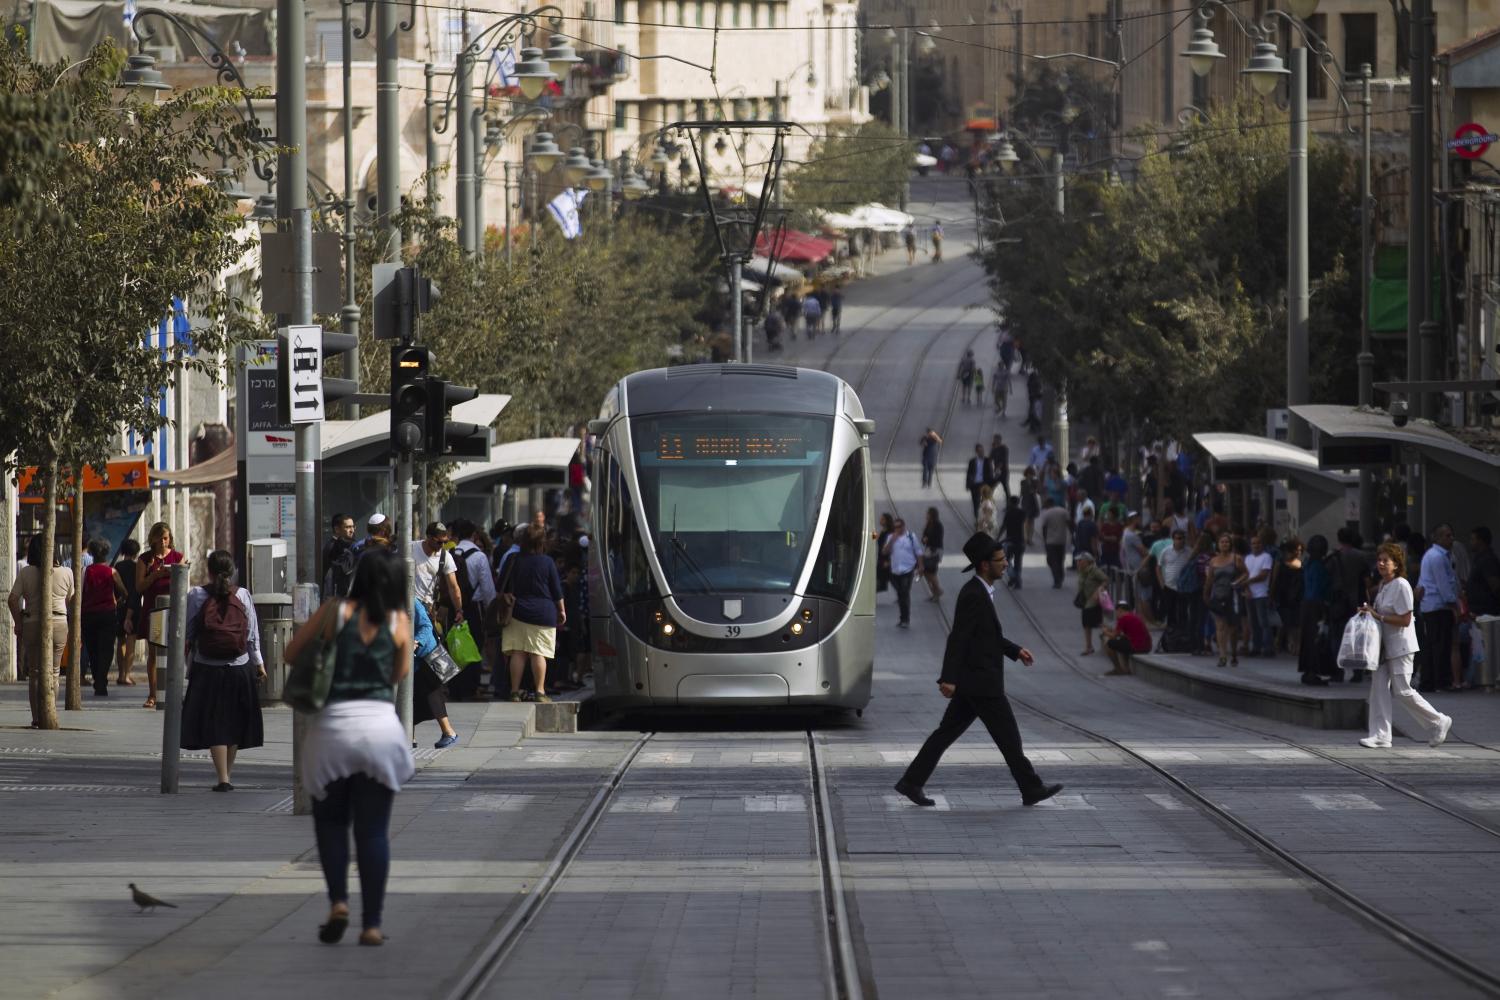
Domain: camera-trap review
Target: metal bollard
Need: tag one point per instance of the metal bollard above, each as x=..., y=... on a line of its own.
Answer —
x=171, y=728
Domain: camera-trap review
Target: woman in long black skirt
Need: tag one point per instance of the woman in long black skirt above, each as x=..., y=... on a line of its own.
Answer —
x=222, y=710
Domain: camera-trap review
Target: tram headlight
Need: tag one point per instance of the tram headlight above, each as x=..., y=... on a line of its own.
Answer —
x=796, y=628
x=668, y=629
x=807, y=614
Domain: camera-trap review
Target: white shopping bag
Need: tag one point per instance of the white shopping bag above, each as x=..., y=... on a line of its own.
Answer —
x=1360, y=648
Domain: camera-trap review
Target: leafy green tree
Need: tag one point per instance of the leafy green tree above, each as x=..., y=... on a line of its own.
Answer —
x=1161, y=304
x=134, y=225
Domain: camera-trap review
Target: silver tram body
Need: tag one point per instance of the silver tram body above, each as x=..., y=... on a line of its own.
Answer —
x=733, y=561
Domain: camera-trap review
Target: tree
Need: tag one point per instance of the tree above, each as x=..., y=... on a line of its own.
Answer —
x=135, y=225
x=1163, y=302
x=845, y=168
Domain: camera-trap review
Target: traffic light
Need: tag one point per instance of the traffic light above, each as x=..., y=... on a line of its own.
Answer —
x=303, y=392
x=401, y=295
x=410, y=366
x=448, y=439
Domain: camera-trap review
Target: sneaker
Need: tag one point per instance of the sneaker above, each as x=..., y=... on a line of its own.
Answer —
x=1374, y=744
x=1442, y=732
x=446, y=742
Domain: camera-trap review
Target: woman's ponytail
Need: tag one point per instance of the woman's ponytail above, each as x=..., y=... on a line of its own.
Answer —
x=221, y=574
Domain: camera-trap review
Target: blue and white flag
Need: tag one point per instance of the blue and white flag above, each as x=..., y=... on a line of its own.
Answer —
x=504, y=62
x=564, y=209
x=129, y=14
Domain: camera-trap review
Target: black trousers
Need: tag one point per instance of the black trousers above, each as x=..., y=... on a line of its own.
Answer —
x=902, y=583
x=1055, y=558
x=99, y=643
x=998, y=719
x=974, y=497
x=1437, y=648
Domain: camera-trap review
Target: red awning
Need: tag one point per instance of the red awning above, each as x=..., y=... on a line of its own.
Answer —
x=794, y=245
x=981, y=125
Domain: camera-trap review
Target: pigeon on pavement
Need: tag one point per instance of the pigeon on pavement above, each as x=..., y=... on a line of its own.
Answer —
x=146, y=901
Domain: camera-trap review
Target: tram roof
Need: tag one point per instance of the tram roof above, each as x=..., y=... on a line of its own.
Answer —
x=733, y=387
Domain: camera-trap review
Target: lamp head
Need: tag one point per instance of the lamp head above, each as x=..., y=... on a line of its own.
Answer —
x=265, y=208
x=533, y=74
x=598, y=178
x=1303, y=9
x=561, y=57
x=141, y=75
x=544, y=152
x=634, y=187
x=659, y=158
x=576, y=166
x=925, y=44
x=1202, y=52
x=1266, y=68
x=1005, y=155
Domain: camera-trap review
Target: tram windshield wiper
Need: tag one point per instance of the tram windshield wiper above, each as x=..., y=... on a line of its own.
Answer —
x=680, y=547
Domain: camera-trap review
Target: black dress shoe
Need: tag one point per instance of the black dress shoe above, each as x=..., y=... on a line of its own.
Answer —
x=914, y=792
x=1046, y=793
x=1314, y=680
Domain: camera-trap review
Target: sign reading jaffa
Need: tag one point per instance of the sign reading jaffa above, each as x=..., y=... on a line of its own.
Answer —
x=1472, y=140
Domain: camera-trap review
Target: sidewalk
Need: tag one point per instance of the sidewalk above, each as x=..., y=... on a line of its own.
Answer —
x=82, y=816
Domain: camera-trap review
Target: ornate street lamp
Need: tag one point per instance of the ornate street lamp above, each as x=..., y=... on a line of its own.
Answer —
x=544, y=153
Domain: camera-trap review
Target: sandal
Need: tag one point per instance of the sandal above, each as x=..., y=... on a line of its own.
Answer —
x=371, y=937
x=333, y=931
x=149, y=703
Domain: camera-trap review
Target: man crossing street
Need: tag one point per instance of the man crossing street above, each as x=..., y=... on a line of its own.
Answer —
x=973, y=681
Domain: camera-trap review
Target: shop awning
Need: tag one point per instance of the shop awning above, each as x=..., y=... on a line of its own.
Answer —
x=222, y=466
x=793, y=244
x=981, y=125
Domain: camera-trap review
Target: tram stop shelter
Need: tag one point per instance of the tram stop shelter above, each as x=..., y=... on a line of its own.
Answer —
x=1456, y=473
x=520, y=477
x=1317, y=499
x=358, y=478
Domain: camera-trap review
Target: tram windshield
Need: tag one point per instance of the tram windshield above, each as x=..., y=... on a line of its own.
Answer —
x=731, y=500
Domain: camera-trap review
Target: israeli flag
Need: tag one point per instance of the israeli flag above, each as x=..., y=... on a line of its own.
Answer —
x=564, y=209
x=504, y=63
x=129, y=14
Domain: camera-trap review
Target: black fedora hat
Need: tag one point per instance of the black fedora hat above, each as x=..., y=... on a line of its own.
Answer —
x=978, y=549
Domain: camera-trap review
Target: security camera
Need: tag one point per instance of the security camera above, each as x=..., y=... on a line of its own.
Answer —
x=1399, y=414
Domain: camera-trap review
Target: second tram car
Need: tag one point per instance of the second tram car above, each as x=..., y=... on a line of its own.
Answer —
x=733, y=561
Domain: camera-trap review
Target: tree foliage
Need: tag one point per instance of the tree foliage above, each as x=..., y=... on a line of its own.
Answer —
x=131, y=224
x=845, y=168
x=556, y=326
x=1162, y=302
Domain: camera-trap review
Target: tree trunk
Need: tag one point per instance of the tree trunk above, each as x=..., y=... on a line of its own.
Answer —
x=74, y=700
x=43, y=683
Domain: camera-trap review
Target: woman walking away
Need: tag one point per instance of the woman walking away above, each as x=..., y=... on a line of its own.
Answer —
x=1091, y=583
x=153, y=579
x=355, y=756
x=932, y=553
x=531, y=636
x=103, y=590
x=221, y=713
x=127, y=612
x=1398, y=646
x=1221, y=585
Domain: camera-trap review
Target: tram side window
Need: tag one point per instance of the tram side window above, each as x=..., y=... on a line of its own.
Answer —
x=837, y=564
x=629, y=574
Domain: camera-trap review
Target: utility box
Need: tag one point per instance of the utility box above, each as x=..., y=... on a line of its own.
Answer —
x=1489, y=628
x=274, y=612
x=265, y=566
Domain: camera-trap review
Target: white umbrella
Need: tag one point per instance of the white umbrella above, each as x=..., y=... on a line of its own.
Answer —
x=782, y=272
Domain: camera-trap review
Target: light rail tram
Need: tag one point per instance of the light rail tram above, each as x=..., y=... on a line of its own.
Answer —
x=733, y=562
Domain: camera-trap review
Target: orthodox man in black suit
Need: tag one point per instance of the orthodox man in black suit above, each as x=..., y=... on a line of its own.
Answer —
x=973, y=680
x=978, y=475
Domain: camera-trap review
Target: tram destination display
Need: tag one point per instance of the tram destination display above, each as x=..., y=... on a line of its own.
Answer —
x=676, y=445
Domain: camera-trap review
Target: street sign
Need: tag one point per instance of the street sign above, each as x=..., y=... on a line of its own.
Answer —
x=301, y=358
x=1471, y=141
x=278, y=289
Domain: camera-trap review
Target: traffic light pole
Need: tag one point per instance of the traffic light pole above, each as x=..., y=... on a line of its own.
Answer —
x=404, y=539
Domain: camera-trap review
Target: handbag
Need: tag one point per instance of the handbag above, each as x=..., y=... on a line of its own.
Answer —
x=1079, y=600
x=461, y=644
x=1106, y=603
x=442, y=663
x=311, y=675
x=504, y=604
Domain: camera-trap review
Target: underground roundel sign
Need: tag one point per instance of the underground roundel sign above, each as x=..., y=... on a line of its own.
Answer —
x=1470, y=141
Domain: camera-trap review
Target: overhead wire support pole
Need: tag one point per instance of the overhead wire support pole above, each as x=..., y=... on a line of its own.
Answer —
x=464, y=195
x=349, y=314
x=1366, y=361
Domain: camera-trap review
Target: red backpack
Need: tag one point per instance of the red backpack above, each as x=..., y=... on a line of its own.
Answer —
x=223, y=628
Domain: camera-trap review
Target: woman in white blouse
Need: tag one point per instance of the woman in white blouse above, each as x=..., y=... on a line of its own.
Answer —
x=1398, y=645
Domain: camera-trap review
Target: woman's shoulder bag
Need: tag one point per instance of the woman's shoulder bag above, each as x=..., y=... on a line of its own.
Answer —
x=311, y=675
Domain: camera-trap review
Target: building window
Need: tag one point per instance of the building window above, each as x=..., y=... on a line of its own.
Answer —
x=682, y=11
x=450, y=39
x=737, y=8
x=698, y=13
x=1317, y=80
x=330, y=47
x=1359, y=43
x=619, y=11
x=620, y=116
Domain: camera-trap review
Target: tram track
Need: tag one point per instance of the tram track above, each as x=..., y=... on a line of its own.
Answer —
x=838, y=949
x=1402, y=932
